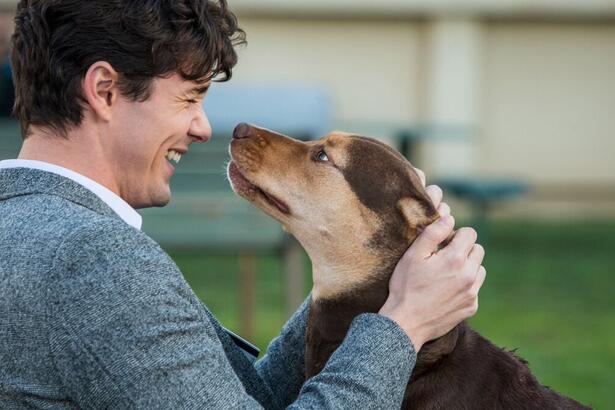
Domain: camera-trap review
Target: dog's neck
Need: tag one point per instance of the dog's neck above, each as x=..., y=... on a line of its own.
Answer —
x=339, y=267
x=332, y=313
x=332, y=283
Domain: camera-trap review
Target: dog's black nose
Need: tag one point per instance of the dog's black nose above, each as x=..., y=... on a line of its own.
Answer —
x=242, y=131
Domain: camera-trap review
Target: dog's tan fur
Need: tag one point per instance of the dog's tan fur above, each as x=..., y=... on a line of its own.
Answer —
x=355, y=214
x=317, y=195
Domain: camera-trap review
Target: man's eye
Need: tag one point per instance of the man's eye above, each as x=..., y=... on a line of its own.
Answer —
x=192, y=101
x=322, y=156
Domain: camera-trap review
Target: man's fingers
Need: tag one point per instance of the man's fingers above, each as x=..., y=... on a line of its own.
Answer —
x=428, y=241
x=480, y=279
x=444, y=209
x=435, y=194
x=476, y=255
x=462, y=244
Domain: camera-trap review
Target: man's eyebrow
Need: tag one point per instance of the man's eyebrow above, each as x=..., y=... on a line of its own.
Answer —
x=200, y=90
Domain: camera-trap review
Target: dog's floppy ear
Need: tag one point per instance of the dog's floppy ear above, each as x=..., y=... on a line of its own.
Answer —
x=415, y=216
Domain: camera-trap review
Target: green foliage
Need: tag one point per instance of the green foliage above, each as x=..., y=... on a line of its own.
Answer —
x=549, y=293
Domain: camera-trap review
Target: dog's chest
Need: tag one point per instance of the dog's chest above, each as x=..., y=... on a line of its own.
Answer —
x=330, y=319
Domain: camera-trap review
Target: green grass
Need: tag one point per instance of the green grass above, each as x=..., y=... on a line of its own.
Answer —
x=549, y=292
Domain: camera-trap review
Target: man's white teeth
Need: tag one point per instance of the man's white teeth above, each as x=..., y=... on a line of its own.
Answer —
x=173, y=156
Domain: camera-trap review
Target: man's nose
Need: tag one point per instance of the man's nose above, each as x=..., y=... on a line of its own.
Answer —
x=242, y=130
x=200, y=128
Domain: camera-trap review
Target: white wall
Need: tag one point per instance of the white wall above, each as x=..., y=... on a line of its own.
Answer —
x=549, y=8
x=547, y=105
x=549, y=102
x=371, y=68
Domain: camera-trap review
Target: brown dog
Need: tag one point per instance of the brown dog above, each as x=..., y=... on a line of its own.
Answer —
x=356, y=205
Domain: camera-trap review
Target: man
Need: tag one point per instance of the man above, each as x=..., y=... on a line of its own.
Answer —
x=94, y=313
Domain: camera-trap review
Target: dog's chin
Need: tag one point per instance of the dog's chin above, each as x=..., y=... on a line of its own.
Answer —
x=267, y=202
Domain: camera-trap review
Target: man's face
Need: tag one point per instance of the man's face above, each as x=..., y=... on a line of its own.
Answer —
x=142, y=134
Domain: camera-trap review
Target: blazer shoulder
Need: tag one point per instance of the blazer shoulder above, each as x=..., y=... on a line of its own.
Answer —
x=111, y=238
x=47, y=213
x=112, y=258
x=66, y=228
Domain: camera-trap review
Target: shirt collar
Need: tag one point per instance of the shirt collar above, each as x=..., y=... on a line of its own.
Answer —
x=119, y=206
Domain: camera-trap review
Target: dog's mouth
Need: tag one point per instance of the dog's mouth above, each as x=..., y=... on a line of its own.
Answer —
x=244, y=187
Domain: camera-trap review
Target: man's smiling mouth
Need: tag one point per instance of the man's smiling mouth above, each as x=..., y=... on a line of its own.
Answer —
x=173, y=155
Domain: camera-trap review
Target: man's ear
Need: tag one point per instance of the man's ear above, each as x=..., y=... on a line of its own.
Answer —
x=415, y=217
x=100, y=89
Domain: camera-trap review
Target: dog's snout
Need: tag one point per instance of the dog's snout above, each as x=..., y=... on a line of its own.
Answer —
x=242, y=130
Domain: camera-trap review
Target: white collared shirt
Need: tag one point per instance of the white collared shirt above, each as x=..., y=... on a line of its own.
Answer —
x=119, y=206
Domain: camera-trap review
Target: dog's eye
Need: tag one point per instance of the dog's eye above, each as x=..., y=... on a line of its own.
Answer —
x=322, y=156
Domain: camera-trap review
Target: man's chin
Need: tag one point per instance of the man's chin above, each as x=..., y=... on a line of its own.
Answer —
x=162, y=199
x=159, y=204
x=159, y=199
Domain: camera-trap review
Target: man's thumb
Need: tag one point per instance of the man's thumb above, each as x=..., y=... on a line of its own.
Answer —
x=428, y=241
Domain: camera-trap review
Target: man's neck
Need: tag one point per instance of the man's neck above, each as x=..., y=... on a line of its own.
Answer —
x=80, y=151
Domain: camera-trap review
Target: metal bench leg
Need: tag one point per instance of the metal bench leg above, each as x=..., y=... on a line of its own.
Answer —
x=481, y=221
x=293, y=262
x=247, y=272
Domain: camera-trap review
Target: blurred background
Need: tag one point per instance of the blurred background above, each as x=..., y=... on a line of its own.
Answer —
x=509, y=105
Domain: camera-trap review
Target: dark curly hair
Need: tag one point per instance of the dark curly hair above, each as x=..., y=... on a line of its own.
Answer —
x=56, y=41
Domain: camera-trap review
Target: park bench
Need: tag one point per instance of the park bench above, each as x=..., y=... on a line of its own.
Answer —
x=204, y=214
x=481, y=192
x=10, y=138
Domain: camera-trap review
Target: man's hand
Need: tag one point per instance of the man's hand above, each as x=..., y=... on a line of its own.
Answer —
x=432, y=291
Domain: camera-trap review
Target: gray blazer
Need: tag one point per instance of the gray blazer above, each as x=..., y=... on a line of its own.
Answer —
x=94, y=315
